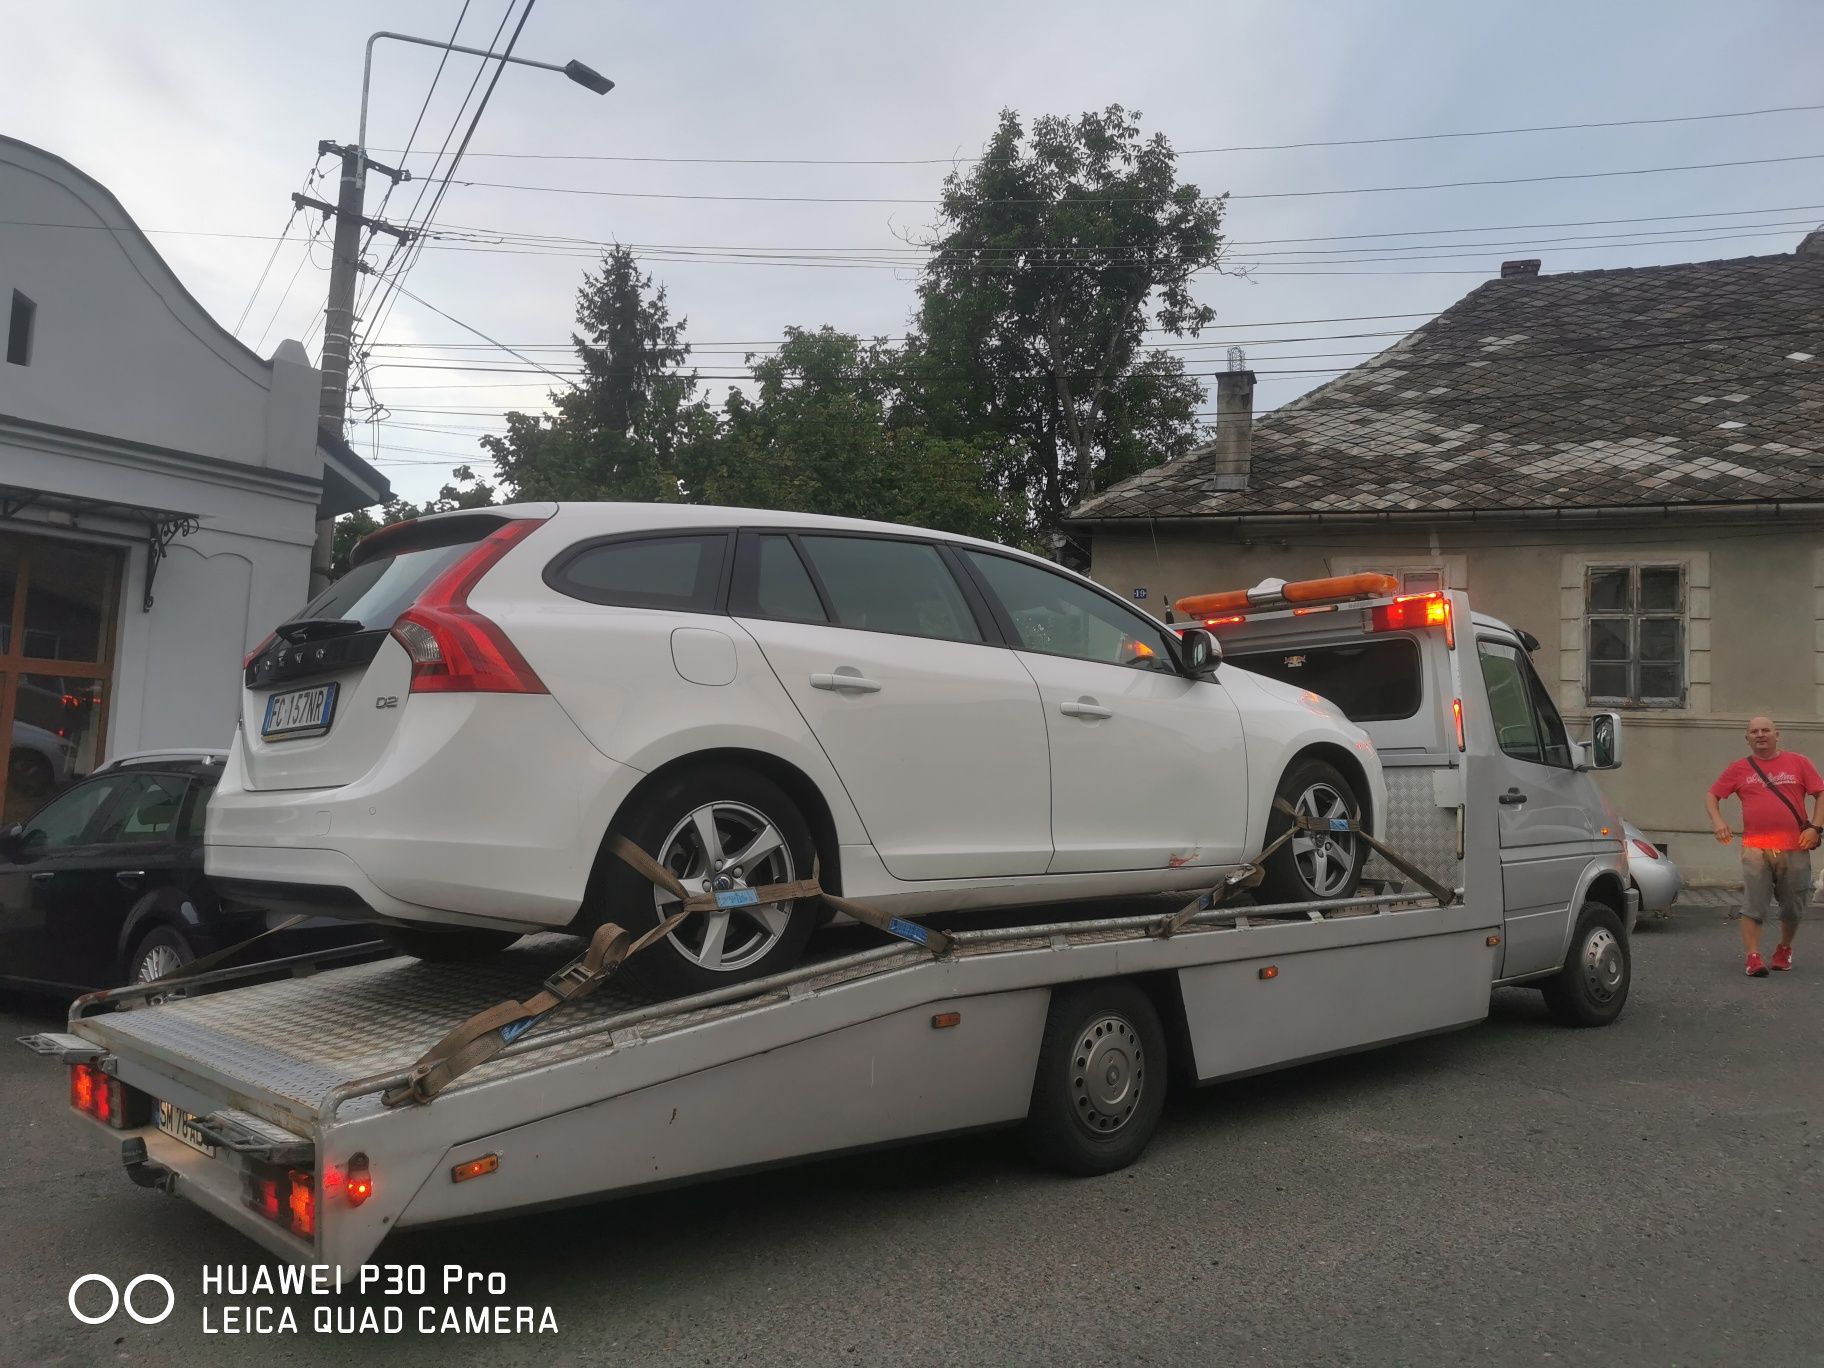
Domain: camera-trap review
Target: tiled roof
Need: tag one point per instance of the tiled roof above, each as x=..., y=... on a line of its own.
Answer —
x=1699, y=383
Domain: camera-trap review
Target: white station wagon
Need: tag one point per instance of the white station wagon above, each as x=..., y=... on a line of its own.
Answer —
x=444, y=738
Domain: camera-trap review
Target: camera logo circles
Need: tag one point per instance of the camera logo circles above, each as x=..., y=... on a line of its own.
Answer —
x=118, y=1298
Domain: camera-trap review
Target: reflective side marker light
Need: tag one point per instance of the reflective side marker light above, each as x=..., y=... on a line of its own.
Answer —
x=360, y=1184
x=943, y=1021
x=1456, y=711
x=1494, y=940
x=1270, y=971
x=475, y=1168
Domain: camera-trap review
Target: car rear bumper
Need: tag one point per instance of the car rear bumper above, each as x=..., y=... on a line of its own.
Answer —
x=483, y=810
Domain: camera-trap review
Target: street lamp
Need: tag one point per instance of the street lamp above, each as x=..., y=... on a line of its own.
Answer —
x=339, y=313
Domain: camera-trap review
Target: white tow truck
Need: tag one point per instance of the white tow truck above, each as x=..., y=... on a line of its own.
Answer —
x=272, y=1095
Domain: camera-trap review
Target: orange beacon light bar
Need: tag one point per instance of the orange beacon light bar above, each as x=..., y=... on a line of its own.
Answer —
x=1333, y=589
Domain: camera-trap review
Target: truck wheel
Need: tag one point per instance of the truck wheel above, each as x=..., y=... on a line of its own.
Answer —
x=447, y=945
x=1314, y=865
x=1592, y=987
x=1100, y=1085
x=160, y=951
x=719, y=826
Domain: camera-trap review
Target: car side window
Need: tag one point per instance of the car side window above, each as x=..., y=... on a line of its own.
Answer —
x=146, y=812
x=1510, y=701
x=681, y=572
x=884, y=585
x=1056, y=615
x=66, y=819
x=196, y=811
x=771, y=582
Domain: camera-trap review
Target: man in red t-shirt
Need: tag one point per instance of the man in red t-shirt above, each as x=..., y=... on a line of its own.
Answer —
x=1780, y=806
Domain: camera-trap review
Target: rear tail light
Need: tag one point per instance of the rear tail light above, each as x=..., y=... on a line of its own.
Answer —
x=258, y=651
x=286, y=1197
x=107, y=1099
x=453, y=648
x=1647, y=848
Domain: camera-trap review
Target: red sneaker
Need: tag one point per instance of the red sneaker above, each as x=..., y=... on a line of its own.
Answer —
x=1756, y=969
x=1782, y=957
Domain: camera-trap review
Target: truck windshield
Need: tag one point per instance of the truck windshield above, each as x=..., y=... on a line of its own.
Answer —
x=1371, y=681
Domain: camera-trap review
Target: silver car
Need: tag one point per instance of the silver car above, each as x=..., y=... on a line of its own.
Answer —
x=1652, y=872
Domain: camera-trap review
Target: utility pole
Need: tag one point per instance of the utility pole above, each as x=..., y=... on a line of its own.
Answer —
x=339, y=316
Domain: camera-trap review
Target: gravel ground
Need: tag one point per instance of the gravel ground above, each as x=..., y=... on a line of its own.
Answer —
x=1515, y=1193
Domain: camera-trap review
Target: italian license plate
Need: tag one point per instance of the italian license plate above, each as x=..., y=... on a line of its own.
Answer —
x=302, y=712
x=181, y=1125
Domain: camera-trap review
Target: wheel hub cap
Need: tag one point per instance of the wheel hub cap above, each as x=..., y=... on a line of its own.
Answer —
x=1108, y=1074
x=1602, y=964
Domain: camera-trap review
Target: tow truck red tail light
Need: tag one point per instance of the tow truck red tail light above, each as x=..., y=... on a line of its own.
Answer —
x=359, y=1181
x=453, y=648
x=107, y=1099
x=1410, y=611
x=285, y=1196
x=303, y=1203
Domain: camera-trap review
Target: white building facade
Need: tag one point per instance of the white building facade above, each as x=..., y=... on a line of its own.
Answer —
x=160, y=486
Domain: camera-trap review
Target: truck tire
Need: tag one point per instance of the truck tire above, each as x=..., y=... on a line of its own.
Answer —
x=447, y=945
x=1101, y=1078
x=677, y=822
x=1592, y=988
x=1308, y=868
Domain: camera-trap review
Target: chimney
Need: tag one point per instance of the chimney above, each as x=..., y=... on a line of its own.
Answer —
x=1811, y=245
x=1234, y=422
x=1527, y=267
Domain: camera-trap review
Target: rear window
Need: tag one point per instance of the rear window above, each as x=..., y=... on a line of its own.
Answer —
x=1371, y=681
x=680, y=572
x=376, y=591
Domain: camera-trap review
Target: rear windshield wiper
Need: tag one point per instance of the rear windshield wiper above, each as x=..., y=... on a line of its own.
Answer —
x=316, y=629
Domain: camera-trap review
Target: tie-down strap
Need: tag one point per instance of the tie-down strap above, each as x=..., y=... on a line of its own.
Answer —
x=1250, y=874
x=488, y=1032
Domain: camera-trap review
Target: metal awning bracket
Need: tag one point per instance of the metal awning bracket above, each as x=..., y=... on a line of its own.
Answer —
x=159, y=535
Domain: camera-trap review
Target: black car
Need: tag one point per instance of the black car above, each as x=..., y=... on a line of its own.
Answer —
x=104, y=884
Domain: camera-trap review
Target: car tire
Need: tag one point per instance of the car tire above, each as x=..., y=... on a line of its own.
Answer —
x=160, y=951
x=1307, y=869
x=1592, y=987
x=1101, y=1080
x=668, y=822
x=448, y=945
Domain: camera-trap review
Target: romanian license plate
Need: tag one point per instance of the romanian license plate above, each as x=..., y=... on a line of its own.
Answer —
x=302, y=712
x=181, y=1125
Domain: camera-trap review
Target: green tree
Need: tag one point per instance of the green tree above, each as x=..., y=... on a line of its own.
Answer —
x=1055, y=253
x=464, y=489
x=633, y=427
x=828, y=431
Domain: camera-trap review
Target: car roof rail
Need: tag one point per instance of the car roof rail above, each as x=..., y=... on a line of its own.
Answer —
x=201, y=755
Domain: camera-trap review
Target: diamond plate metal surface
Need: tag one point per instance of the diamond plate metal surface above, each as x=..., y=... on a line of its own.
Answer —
x=1418, y=829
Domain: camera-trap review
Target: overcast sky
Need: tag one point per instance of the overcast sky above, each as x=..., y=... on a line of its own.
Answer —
x=203, y=117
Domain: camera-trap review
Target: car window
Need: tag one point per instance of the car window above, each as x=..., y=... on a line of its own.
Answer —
x=196, y=811
x=775, y=584
x=681, y=573
x=1371, y=681
x=1510, y=701
x=891, y=586
x=1056, y=615
x=65, y=820
x=1551, y=726
x=146, y=812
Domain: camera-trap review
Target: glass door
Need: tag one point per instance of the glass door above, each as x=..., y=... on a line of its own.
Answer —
x=57, y=607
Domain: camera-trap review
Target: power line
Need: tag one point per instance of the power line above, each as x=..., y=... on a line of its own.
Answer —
x=1186, y=152
x=1227, y=195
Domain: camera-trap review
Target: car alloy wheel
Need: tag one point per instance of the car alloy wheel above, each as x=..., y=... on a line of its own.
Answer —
x=721, y=847
x=156, y=962
x=1326, y=860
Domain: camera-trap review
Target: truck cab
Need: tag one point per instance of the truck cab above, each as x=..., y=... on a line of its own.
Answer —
x=1487, y=789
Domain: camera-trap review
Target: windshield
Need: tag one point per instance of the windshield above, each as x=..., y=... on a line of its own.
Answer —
x=375, y=592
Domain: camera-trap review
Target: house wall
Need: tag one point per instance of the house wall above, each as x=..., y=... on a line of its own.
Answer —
x=133, y=394
x=1754, y=630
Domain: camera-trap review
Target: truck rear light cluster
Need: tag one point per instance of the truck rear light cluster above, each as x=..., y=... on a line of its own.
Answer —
x=286, y=1197
x=107, y=1099
x=1416, y=610
x=453, y=648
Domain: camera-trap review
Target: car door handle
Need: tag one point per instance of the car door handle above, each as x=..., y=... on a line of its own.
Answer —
x=1512, y=798
x=44, y=878
x=129, y=878
x=845, y=681
x=1085, y=707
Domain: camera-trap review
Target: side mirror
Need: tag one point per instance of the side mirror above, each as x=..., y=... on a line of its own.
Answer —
x=12, y=838
x=1202, y=652
x=1604, y=749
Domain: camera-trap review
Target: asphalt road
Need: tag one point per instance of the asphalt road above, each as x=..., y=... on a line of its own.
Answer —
x=1515, y=1193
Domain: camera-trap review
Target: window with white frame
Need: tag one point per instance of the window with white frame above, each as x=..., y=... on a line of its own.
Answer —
x=1634, y=635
